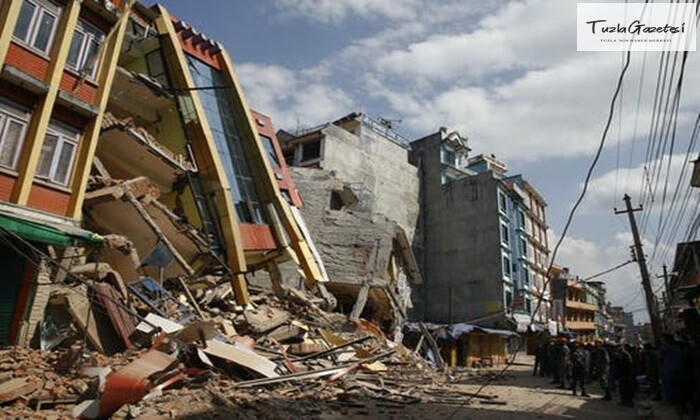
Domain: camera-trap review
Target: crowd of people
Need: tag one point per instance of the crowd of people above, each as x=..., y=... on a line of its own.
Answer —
x=670, y=372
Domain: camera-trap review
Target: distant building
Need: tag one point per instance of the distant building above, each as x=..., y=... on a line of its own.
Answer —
x=481, y=238
x=579, y=301
x=683, y=307
x=623, y=325
x=602, y=317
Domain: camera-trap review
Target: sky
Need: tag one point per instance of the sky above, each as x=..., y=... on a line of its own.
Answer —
x=505, y=74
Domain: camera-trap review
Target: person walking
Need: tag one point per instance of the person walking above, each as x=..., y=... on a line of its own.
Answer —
x=578, y=369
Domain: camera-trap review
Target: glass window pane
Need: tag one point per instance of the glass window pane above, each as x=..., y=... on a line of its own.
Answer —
x=11, y=143
x=74, y=52
x=44, y=31
x=65, y=160
x=47, y=151
x=24, y=20
x=90, y=62
x=270, y=149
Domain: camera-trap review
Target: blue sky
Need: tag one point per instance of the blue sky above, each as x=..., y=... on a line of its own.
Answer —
x=505, y=74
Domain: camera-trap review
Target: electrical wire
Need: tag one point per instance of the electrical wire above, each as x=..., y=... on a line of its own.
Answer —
x=569, y=219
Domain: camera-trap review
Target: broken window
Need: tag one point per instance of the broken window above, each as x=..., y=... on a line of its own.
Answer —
x=36, y=24
x=82, y=56
x=310, y=151
x=156, y=67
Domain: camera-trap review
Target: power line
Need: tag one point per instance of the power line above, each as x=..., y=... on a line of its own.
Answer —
x=569, y=219
x=609, y=270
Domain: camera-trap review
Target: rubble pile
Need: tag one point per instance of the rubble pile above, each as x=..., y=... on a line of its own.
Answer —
x=233, y=358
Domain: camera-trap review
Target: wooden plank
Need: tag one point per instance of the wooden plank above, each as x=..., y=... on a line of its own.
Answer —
x=242, y=356
x=360, y=302
x=79, y=308
x=15, y=388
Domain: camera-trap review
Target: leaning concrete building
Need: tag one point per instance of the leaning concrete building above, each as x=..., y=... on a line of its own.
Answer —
x=361, y=203
x=127, y=121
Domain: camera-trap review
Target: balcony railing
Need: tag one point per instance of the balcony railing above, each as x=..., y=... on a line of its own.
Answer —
x=580, y=325
x=575, y=304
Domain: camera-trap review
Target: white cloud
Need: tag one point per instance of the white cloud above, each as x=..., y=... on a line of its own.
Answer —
x=293, y=99
x=334, y=11
x=609, y=188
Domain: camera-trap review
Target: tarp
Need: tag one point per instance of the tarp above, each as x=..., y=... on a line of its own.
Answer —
x=44, y=232
x=455, y=331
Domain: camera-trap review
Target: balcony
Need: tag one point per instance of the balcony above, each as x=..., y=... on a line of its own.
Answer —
x=580, y=325
x=582, y=306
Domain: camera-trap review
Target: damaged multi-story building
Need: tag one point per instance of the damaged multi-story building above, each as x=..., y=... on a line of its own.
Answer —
x=482, y=241
x=128, y=152
x=361, y=203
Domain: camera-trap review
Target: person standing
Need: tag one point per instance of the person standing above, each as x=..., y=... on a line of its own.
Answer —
x=538, y=359
x=600, y=367
x=578, y=369
x=625, y=375
x=563, y=360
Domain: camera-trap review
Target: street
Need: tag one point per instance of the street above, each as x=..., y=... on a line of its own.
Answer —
x=525, y=396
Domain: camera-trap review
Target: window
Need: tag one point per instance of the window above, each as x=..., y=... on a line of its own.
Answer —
x=522, y=219
x=504, y=234
x=506, y=266
x=36, y=24
x=270, y=149
x=528, y=305
x=13, y=125
x=509, y=298
x=311, y=151
x=523, y=247
x=82, y=56
x=526, y=276
x=502, y=206
x=57, y=155
x=448, y=156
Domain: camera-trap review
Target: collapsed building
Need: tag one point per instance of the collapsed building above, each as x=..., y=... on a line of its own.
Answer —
x=361, y=202
x=130, y=155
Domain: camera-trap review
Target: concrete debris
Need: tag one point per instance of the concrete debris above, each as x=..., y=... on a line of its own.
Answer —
x=291, y=349
x=152, y=324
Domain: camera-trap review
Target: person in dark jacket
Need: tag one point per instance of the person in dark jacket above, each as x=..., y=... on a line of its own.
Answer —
x=625, y=375
x=538, y=359
x=578, y=369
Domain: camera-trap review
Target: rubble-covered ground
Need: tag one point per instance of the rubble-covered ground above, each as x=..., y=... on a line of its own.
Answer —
x=277, y=357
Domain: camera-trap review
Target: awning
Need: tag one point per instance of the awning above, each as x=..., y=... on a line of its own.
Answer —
x=46, y=232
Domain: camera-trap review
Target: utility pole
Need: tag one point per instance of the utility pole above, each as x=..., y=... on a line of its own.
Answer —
x=641, y=260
